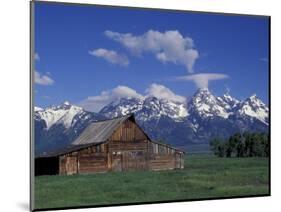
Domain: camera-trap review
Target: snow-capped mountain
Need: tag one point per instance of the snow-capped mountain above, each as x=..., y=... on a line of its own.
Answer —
x=57, y=126
x=62, y=114
x=203, y=117
x=122, y=107
x=145, y=109
x=228, y=102
x=204, y=104
x=253, y=107
x=154, y=108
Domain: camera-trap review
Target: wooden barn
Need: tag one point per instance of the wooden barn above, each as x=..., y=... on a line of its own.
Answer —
x=112, y=145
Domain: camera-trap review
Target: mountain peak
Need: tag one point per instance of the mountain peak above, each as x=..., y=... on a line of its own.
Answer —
x=205, y=104
x=231, y=101
x=63, y=114
x=66, y=105
x=202, y=93
x=204, y=90
x=226, y=95
x=255, y=101
x=254, y=107
x=145, y=109
x=253, y=97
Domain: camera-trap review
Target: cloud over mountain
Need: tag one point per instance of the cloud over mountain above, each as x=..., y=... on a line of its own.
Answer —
x=95, y=103
x=162, y=92
x=202, y=80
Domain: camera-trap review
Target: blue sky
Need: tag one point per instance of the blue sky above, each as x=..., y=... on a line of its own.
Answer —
x=89, y=55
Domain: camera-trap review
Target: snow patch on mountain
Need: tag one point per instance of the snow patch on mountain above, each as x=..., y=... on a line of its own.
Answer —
x=66, y=120
x=255, y=108
x=62, y=114
x=145, y=109
x=228, y=102
x=206, y=105
x=122, y=106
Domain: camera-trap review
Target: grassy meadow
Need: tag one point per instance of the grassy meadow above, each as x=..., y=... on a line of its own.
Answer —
x=204, y=176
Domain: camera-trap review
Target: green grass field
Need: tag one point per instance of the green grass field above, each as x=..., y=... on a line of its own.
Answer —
x=204, y=176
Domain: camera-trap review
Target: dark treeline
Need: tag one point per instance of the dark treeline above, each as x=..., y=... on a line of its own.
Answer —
x=242, y=145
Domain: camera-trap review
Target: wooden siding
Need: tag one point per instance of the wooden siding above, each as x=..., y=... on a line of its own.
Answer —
x=127, y=146
x=157, y=148
x=161, y=157
x=88, y=160
x=94, y=162
x=134, y=160
x=161, y=162
x=128, y=131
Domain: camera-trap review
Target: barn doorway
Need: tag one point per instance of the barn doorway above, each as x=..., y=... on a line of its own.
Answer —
x=116, y=162
x=71, y=165
x=46, y=166
x=134, y=160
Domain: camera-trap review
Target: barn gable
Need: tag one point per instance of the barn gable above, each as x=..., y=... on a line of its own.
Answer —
x=101, y=131
x=128, y=131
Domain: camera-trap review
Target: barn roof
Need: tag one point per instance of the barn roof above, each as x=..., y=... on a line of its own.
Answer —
x=100, y=131
x=96, y=133
x=67, y=149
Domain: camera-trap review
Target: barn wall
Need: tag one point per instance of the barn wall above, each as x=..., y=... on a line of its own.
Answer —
x=121, y=156
x=93, y=163
x=127, y=148
x=88, y=160
x=117, y=146
x=161, y=162
x=68, y=164
x=130, y=149
x=62, y=165
x=93, y=159
x=162, y=156
x=182, y=161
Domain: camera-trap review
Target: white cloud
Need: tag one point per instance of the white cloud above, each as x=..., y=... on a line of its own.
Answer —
x=110, y=56
x=96, y=103
x=169, y=46
x=36, y=56
x=202, y=80
x=42, y=79
x=162, y=92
